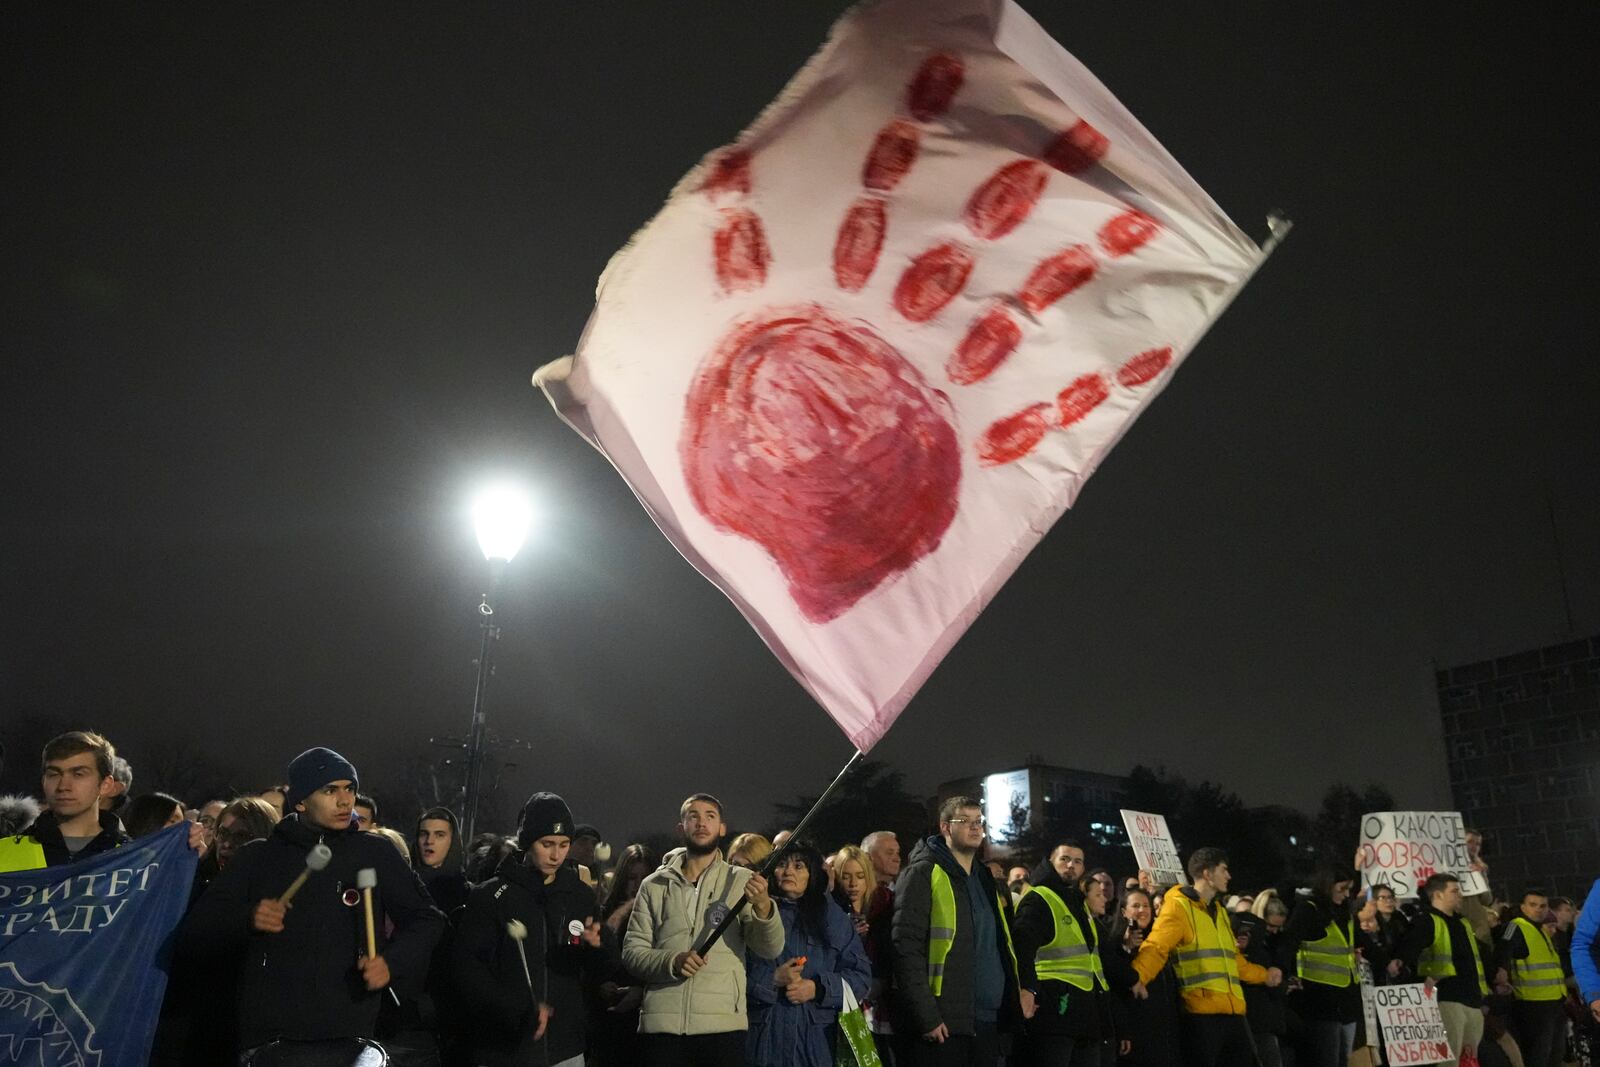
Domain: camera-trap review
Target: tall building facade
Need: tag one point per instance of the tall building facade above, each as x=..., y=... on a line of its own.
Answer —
x=1522, y=737
x=1014, y=799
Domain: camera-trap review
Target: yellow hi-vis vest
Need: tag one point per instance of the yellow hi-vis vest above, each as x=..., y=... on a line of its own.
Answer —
x=1211, y=962
x=1539, y=976
x=20, y=853
x=1070, y=956
x=1437, y=961
x=1329, y=960
x=942, y=929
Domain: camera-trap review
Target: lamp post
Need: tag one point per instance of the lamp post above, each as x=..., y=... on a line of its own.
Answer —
x=500, y=517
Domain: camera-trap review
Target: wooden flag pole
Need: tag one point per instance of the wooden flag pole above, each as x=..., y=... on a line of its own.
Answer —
x=713, y=935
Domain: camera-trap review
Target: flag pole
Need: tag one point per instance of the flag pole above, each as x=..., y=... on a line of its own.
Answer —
x=715, y=933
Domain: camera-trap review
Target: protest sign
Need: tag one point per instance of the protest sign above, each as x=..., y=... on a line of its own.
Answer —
x=1401, y=849
x=1369, y=1004
x=83, y=953
x=1153, y=847
x=1413, y=1029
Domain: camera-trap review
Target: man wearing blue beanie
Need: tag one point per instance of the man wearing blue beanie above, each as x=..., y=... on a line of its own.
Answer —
x=304, y=974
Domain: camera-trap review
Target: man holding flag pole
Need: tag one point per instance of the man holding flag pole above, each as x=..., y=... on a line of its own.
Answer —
x=694, y=1010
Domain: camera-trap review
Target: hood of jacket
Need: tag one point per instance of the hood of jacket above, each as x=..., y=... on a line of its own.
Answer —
x=454, y=857
x=47, y=831
x=932, y=850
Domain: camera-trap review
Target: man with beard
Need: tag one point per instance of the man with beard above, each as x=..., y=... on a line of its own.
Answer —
x=305, y=977
x=693, y=1012
x=1058, y=965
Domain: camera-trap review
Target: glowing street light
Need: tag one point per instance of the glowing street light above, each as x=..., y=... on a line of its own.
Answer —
x=501, y=516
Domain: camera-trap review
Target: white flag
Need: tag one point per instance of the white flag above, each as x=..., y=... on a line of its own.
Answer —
x=864, y=357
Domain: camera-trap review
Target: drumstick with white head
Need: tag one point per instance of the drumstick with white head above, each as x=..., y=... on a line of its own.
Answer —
x=367, y=881
x=519, y=933
x=316, y=860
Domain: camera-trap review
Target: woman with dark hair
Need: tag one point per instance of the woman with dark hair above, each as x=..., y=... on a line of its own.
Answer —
x=154, y=811
x=1108, y=887
x=1329, y=1000
x=613, y=1006
x=1147, y=1029
x=795, y=999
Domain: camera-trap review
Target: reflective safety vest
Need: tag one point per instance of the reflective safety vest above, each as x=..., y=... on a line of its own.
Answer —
x=1069, y=957
x=20, y=853
x=1329, y=960
x=942, y=928
x=1539, y=976
x=1437, y=961
x=1211, y=962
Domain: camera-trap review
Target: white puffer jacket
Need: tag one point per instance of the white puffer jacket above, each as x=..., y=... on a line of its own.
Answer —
x=668, y=917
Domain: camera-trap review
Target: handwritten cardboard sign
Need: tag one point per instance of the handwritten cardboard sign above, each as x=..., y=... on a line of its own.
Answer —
x=1401, y=849
x=1413, y=1029
x=1154, y=847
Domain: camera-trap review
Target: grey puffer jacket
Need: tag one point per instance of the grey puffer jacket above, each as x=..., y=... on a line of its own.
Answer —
x=668, y=917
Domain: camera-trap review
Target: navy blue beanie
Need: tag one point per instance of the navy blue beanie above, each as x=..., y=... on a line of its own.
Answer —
x=313, y=769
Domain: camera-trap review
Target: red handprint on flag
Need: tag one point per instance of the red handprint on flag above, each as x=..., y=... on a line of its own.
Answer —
x=810, y=433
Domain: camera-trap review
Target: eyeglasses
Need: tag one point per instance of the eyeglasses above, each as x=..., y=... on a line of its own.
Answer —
x=960, y=820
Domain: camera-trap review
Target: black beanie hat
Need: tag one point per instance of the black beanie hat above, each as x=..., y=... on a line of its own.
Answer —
x=313, y=769
x=544, y=815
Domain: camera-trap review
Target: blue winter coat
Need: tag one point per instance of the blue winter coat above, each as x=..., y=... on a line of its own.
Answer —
x=802, y=1035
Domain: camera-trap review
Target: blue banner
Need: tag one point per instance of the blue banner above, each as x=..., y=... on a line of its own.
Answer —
x=84, y=951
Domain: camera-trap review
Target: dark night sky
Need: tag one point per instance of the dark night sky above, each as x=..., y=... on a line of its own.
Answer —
x=276, y=278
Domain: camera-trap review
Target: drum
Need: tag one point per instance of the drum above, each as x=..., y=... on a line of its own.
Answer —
x=343, y=1052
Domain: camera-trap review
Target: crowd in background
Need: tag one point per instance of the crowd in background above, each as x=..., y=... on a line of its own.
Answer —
x=544, y=945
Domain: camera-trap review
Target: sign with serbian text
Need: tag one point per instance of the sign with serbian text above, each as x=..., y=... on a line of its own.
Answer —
x=1154, y=847
x=1402, y=849
x=1413, y=1029
x=83, y=953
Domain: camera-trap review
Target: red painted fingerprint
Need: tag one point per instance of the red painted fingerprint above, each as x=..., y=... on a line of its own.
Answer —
x=730, y=173
x=1057, y=276
x=855, y=250
x=813, y=437
x=1128, y=231
x=932, y=281
x=892, y=155
x=1079, y=147
x=935, y=84
x=999, y=205
x=1144, y=367
x=1081, y=397
x=1014, y=436
x=739, y=251
x=990, y=340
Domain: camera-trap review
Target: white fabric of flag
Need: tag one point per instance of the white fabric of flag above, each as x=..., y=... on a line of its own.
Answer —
x=866, y=355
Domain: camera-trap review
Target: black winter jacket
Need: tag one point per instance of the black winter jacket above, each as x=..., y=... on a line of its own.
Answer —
x=1318, y=1001
x=47, y=832
x=488, y=969
x=1265, y=1008
x=303, y=983
x=916, y=1010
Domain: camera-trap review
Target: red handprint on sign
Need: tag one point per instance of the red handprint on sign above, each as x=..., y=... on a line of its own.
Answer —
x=809, y=432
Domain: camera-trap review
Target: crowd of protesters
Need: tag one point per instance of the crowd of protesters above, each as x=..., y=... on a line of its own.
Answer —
x=531, y=947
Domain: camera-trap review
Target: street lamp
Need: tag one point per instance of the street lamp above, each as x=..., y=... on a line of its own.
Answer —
x=501, y=516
